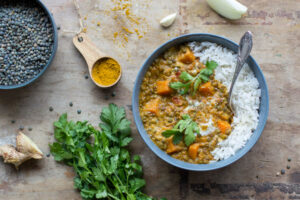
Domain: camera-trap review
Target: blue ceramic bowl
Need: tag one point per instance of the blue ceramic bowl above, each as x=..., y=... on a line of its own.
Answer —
x=263, y=109
x=2, y=87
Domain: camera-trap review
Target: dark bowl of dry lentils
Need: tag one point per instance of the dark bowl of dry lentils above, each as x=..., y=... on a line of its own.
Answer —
x=28, y=42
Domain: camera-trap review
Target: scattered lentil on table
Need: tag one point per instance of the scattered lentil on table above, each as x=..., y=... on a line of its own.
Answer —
x=21, y=128
x=78, y=111
x=26, y=41
x=51, y=109
x=71, y=104
x=282, y=171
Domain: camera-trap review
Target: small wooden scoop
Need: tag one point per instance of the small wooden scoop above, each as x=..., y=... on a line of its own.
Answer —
x=92, y=55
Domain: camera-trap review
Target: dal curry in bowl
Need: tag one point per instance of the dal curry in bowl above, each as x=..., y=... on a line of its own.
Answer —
x=180, y=103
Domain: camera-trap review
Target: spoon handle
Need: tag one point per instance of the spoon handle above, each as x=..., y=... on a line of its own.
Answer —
x=88, y=50
x=245, y=47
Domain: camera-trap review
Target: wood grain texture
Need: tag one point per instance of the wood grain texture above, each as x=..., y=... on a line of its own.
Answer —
x=276, y=28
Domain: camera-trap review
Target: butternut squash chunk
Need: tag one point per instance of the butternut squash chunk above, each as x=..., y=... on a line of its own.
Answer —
x=172, y=148
x=206, y=89
x=187, y=58
x=224, y=127
x=152, y=106
x=193, y=150
x=163, y=87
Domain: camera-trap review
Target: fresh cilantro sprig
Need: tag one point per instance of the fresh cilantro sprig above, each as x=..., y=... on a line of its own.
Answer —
x=188, y=80
x=185, y=128
x=104, y=167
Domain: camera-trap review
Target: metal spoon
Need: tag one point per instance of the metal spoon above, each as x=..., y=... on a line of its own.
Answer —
x=245, y=47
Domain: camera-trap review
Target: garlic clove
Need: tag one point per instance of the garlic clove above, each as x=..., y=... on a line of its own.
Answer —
x=27, y=146
x=10, y=155
x=230, y=9
x=168, y=20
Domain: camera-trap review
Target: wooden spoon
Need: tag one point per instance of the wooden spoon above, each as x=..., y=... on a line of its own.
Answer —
x=92, y=55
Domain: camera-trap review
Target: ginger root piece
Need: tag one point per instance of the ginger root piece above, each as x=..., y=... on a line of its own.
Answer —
x=27, y=146
x=11, y=155
x=25, y=150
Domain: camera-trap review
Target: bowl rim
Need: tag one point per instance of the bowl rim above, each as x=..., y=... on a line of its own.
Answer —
x=185, y=165
x=51, y=58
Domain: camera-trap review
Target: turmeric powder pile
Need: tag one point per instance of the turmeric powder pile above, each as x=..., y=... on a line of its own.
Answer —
x=106, y=71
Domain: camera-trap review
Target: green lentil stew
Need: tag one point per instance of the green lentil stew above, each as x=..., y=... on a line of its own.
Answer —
x=183, y=108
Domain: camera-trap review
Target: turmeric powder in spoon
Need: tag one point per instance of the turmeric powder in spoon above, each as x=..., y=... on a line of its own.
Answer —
x=106, y=71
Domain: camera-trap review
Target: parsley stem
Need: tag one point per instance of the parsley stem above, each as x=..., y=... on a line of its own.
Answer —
x=116, y=186
x=112, y=196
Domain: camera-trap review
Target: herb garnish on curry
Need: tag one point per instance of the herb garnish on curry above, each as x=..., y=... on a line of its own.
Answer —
x=184, y=109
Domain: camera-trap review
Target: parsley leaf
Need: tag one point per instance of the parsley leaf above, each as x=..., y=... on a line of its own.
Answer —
x=196, y=85
x=188, y=80
x=185, y=76
x=177, y=138
x=170, y=132
x=103, y=166
x=181, y=87
x=211, y=65
x=185, y=128
x=177, y=85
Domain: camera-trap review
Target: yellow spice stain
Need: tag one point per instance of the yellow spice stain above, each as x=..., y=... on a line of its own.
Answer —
x=127, y=25
x=126, y=38
x=138, y=33
x=127, y=30
x=106, y=71
x=116, y=34
x=129, y=16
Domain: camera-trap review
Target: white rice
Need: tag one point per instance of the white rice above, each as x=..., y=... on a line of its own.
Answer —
x=246, y=95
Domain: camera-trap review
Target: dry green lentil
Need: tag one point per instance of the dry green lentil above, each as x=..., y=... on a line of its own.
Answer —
x=28, y=43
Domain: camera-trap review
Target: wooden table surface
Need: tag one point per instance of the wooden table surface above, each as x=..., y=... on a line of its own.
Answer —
x=276, y=28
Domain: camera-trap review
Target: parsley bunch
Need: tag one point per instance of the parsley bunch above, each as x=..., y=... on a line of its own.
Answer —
x=189, y=80
x=184, y=128
x=104, y=168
